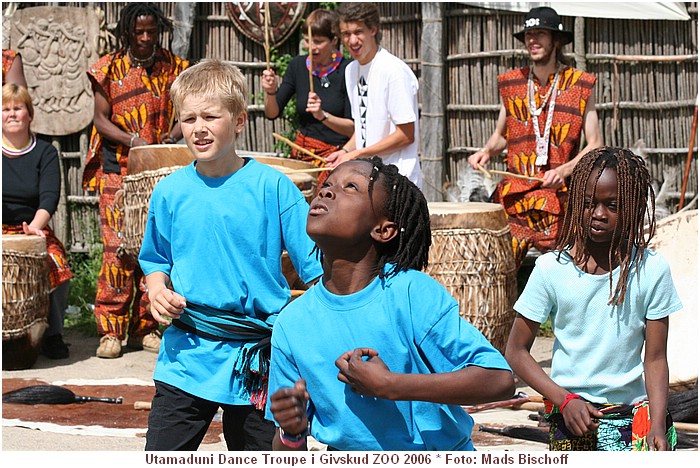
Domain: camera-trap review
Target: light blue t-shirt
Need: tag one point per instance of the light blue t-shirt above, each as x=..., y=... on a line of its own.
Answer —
x=414, y=324
x=220, y=240
x=598, y=347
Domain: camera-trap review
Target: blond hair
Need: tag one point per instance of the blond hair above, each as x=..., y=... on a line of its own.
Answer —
x=212, y=79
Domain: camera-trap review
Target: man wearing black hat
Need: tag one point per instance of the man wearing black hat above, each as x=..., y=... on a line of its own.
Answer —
x=545, y=108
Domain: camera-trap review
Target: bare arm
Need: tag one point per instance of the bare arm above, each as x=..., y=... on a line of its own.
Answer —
x=166, y=304
x=495, y=144
x=577, y=414
x=288, y=407
x=466, y=386
x=270, y=85
x=39, y=222
x=400, y=138
x=105, y=126
x=338, y=157
x=340, y=125
x=656, y=379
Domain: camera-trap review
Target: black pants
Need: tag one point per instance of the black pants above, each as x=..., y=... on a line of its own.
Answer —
x=179, y=421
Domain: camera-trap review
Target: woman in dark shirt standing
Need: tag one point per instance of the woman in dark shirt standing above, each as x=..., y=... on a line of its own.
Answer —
x=31, y=186
x=324, y=115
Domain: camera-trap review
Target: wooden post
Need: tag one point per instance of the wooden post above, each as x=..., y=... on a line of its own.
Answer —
x=183, y=24
x=432, y=118
x=580, y=43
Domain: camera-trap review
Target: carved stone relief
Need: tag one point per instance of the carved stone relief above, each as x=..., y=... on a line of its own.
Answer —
x=57, y=45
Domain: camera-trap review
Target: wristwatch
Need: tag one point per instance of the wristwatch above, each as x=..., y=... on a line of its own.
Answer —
x=325, y=116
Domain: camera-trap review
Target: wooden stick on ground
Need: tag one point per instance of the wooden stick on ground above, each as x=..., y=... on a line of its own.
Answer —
x=297, y=147
x=517, y=176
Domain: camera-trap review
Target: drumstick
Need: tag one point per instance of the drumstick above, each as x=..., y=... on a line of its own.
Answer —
x=267, y=36
x=516, y=176
x=485, y=172
x=297, y=147
x=309, y=170
x=171, y=124
x=311, y=61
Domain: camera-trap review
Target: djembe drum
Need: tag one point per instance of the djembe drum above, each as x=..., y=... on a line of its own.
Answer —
x=147, y=165
x=25, y=299
x=472, y=257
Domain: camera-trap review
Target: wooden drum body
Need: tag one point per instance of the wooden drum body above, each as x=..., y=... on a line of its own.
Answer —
x=472, y=257
x=25, y=299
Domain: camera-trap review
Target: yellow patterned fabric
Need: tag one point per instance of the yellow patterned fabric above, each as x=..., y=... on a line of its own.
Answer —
x=140, y=104
x=534, y=213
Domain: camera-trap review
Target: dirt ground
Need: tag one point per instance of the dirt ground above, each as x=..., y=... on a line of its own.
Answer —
x=136, y=367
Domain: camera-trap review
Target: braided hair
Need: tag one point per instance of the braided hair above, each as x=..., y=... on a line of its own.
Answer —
x=127, y=21
x=407, y=207
x=635, y=224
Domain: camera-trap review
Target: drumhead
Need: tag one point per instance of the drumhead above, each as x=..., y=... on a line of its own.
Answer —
x=151, y=157
x=467, y=215
x=23, y=243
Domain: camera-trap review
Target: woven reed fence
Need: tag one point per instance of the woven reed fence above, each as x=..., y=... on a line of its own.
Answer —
x=646, y=90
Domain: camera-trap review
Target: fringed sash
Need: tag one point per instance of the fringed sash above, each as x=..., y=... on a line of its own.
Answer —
x=253, y=361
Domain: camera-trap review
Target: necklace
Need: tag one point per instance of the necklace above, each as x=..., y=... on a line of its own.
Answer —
x=141, y=63
x=324, y=70
x=16, y=152
x=542, y=146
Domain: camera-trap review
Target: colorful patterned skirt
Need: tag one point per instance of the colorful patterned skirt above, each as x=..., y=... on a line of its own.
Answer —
x=59, y=271
x=622, y=428
x=318, y=148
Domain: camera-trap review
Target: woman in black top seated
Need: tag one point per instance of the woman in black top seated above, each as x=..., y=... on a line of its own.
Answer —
x=31, y=186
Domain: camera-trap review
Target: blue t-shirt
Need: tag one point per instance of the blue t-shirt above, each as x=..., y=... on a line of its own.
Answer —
x=598, y=347
x=414, y=324
x=220, y=240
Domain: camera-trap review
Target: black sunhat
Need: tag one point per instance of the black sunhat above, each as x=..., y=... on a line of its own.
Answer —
x=544, y=18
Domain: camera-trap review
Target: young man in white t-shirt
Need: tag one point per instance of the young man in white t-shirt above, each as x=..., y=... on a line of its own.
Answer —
x=383, y=93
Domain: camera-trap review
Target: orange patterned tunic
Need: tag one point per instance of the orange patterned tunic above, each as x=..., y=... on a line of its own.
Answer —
x=534, y=213
x=8, y=57
x=140, y=104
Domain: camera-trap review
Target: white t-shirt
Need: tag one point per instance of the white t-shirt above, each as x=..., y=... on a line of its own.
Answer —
x=598, y=347
x=384, y=94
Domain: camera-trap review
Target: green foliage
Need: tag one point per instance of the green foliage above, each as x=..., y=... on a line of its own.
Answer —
x=289, y=113
x=85, y=267
x=546, y=329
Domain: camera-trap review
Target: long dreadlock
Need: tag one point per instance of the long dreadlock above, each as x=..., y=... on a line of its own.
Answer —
x=635, y=224
x=127, y=21
x=407, y=207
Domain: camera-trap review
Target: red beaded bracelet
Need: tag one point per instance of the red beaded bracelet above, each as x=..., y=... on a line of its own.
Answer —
x=569, y=397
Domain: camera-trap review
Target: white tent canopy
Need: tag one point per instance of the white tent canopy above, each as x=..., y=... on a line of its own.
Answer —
x=642, y=10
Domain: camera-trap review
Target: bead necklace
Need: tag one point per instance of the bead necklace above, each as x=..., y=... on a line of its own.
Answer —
x=323, y=70
x=542, y=146
x=141, y=63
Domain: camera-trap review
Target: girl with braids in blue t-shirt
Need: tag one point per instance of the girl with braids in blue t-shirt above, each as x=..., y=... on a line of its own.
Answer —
x=608, y=297
x=376, y=356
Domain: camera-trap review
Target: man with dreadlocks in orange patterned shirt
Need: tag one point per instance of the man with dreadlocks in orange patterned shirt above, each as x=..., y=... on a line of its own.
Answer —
x=561, y=99
x=132, y=108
